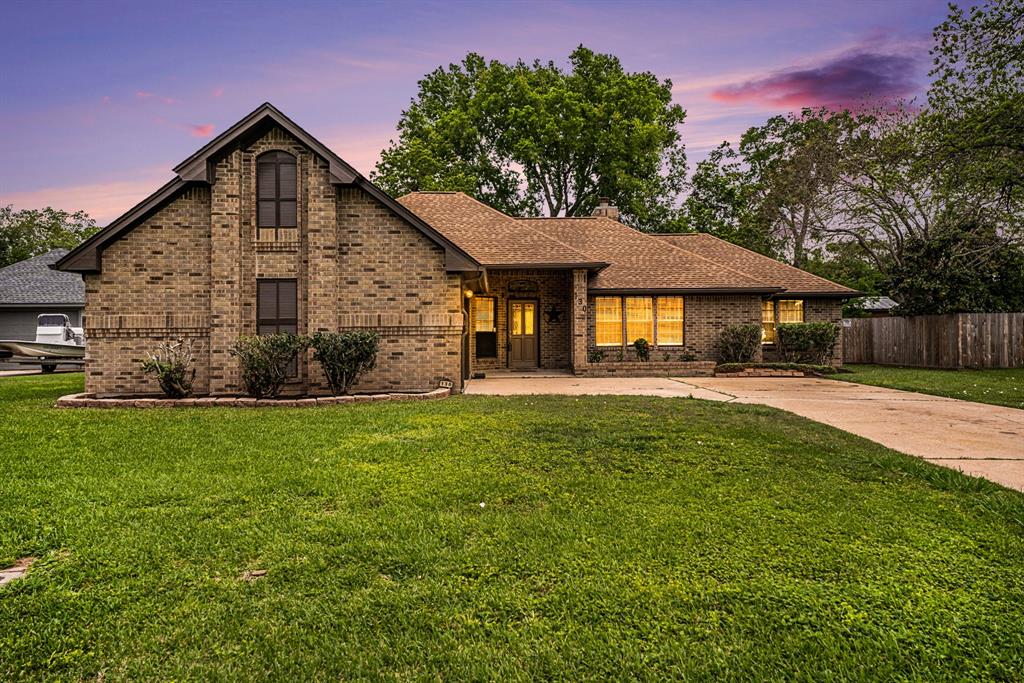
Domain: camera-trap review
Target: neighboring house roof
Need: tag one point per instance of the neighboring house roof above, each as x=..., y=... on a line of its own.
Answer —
x=876, y=303
x=197, y=169
x=492, y=237
x=33, y=283
x=764, y=268
x=639, y=261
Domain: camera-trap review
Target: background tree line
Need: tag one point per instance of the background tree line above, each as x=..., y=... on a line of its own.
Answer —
x=920, y=201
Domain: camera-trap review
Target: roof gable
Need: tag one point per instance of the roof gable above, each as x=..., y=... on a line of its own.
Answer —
x=198, y=169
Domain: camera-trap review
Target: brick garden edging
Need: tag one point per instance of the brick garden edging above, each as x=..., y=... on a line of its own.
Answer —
x=764, y=372
x=90, y=401
x=653, y=368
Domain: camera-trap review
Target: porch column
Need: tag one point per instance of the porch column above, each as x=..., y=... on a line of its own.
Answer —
x=579, y=320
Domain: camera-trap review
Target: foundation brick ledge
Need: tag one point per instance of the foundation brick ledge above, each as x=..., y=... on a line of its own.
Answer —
x=87, y=400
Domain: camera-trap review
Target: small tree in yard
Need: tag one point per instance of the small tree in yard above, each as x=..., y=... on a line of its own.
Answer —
x=265, y=360
x=738, y=343
x=172, y=365
x=344, y=356
x=811, y=343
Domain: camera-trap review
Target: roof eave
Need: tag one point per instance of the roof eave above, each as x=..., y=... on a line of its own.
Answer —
x=850, y=294
x=686, y=290
x=588, y=265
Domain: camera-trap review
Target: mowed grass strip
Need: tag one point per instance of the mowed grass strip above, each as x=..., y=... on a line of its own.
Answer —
x=999, y=387
x=492, y=538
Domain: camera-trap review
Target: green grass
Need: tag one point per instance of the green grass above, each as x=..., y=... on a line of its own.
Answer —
x=997, y=387
x=624, y=538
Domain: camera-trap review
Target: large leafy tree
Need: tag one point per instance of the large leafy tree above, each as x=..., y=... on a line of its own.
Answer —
x=532, y=138
x=30, y=232
x=975, y=115
x=775, y=193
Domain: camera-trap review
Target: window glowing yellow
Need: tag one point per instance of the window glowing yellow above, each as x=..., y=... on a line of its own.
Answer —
x=529, y=315
x=608, y=314
x=517, y=319
x=639, y=318
x=483, y=314
x=670, y=320
x=767, y=322
x=791, y=311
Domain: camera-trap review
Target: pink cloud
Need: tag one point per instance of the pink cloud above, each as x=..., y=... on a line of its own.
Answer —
x=853, y=80
x=103, y=201
x=146, y=95
x=201, y=130
x=218, y=92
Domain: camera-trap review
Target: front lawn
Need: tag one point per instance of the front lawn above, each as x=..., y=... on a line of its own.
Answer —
x=998, y=387
x=492, y=538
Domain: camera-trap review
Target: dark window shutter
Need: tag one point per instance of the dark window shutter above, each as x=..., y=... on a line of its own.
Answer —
x=287, y=181
x=288, y=217
x=266, y=300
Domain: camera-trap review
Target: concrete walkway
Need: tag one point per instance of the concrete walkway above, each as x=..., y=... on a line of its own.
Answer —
x=979, y=439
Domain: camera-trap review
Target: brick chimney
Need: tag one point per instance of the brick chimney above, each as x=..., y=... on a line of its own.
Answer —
x=606, y=208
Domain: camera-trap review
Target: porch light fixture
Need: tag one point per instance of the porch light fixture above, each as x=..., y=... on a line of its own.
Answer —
x=468, y=293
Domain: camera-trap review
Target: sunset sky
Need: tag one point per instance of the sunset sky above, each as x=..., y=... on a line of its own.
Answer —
x=102, y=99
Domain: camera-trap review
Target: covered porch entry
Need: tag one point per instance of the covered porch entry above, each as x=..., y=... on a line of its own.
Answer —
x=521, y=321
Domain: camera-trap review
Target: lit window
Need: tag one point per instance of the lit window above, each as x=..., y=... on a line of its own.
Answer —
x=791, y=311
x=483, y=314
x=608, y=315
x=670, y=320
x=639, y=318
x=767, y=322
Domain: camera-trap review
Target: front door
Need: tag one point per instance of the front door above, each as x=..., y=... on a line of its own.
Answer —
x=522, y=334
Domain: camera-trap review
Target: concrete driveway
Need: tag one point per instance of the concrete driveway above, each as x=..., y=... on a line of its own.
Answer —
x=982, y=440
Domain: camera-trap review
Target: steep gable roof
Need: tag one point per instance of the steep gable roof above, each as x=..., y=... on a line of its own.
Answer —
x=33, y=282
x=198, y=168
x=793, y=280
x=492, y=237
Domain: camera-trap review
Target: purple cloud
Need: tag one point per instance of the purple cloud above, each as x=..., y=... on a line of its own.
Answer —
x=854, y=81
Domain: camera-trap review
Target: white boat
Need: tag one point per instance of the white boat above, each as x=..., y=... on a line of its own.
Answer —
x=56, y=342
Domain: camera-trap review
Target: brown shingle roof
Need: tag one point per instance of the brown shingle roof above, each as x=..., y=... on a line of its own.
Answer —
x=639, y=261
x=764, y=268
x=491, y=237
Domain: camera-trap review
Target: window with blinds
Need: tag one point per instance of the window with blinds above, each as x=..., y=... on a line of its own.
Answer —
x=767, y=322
x=277, y=308
x=670, y=321
x=277, y=311
x=485, y=326
x=639, y=318
x=608, y=318
x=276, y=192
x=791, y=311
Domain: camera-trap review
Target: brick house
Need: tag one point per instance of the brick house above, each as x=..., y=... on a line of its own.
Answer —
x=265, y=229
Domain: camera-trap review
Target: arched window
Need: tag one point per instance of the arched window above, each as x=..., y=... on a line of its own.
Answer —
x=276, y=190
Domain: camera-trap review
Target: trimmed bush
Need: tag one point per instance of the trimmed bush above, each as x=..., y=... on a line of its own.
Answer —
x=595, y=356
x=344, y=356
x=265, y=361
x=738, y=343
x=643, y=349
x=172, y=365
x=811, y=343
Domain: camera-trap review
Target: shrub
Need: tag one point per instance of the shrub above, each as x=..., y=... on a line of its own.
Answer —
x=643, y=349
x=344, y=356
x=688, y=357
x=811, y=343
x=620, y=355
x=265, y=361
x=738, y=343
x=172, y=365
x=595, y=356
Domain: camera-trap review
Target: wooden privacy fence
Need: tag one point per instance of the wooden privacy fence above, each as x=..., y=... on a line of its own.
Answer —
x=957, y=340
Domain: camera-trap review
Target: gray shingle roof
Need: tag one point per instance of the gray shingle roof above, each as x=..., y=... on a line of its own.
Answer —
x=32, y=281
